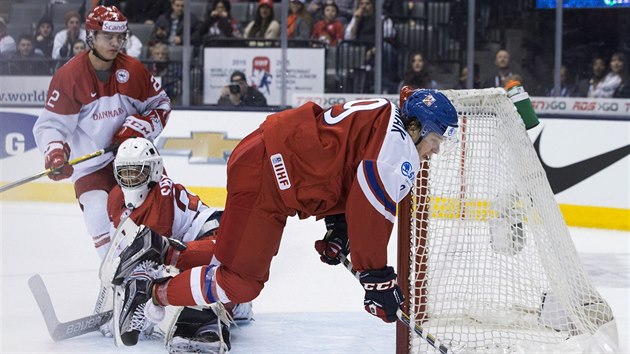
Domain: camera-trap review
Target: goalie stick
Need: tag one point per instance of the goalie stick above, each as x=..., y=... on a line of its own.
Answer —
x=403, y=317
x=63, y=330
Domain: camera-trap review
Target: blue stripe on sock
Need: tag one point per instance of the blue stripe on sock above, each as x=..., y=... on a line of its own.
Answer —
x=208, y=284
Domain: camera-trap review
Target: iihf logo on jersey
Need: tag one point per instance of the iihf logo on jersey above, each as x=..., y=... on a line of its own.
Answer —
x=122, y=75
x=277, y=163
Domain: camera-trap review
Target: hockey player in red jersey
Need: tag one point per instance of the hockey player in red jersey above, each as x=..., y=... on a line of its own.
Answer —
x=99, y=98
x=150, y=198
x=358, y=159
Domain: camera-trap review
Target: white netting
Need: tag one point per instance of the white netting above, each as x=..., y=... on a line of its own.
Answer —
x=500, y=272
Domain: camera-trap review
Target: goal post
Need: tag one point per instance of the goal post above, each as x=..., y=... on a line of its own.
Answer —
x=485, y=259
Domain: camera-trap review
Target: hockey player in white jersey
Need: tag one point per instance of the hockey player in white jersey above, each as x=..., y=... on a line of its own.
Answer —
x=169, y=212
x=99, y=98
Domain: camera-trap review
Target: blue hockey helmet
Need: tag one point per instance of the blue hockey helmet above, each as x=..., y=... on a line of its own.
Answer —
x=433, y=110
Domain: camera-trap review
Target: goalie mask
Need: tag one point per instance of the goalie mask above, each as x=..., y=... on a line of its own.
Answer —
x=137, y=167
x=433, y=110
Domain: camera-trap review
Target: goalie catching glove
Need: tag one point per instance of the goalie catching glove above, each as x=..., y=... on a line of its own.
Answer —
x=140, y=126
x=382, y=294
x=56, y=157
x=335, y=241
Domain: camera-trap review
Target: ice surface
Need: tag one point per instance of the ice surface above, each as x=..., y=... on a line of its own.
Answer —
x=306, y=307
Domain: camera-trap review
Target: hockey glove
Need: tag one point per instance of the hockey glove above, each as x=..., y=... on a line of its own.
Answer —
x=382, y=295
x=138, y=126
x=335, y=241
x=56, y=157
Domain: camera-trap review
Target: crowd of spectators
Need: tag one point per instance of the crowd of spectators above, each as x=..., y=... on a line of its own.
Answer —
x=323, y=22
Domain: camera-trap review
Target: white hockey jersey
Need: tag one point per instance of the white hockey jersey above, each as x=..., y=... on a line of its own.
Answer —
x=86, y=112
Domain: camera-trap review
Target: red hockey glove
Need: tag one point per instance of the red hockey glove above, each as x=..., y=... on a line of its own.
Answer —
x=335, y=241
x=56, y=156
x=135, y=126
x=382, y=295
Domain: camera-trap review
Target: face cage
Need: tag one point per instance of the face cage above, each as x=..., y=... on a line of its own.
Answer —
x=91, y=37
x=133, y=176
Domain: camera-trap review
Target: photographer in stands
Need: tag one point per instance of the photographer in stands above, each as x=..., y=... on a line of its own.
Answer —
x=239, y=94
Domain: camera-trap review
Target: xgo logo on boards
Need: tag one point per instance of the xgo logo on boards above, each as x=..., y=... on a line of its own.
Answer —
x=16, y=133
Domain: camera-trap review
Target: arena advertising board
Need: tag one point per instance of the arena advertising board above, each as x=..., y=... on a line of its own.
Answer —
x=587, y=159
x=262, y=68
x=23, y=90
x=27, y=91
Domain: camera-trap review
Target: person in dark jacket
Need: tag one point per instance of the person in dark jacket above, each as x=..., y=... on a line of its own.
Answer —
x=239, y=94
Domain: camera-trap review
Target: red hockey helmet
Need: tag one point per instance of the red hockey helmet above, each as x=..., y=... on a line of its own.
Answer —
x=106, y=18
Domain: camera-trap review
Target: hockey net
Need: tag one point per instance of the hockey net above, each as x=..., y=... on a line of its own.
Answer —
x=486, y=261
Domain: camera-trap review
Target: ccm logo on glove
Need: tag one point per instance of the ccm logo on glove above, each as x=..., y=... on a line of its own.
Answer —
x=379, y=286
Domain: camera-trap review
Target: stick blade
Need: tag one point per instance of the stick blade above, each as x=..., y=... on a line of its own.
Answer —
x=40, y=293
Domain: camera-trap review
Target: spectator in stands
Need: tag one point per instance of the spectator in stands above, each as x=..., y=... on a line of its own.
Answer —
x=44, y=37
x=345, y=9
x=173, y=23
x=567, y=85
x=463, y=78
x=158, y=54
x=160, y=66
x=330, y=29
x=264, y=25
x=502, y=64
x=219, y=22
x=7, y=43
x=78, y=47
x=502, y=67
x=362, y=28
x=417, y=75
x=623, y=90
x=134, y=45
x=159, y=34
x=25, y=60
x=299, y=21
x=62, y=47
x=590, y=87
x=239, y=94
x=606, y=88
x=145, y=11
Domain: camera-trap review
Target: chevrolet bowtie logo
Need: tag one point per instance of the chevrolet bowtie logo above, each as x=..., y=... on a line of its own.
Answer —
x=207, y=147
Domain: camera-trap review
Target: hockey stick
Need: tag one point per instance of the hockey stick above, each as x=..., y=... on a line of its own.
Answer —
x=46, y=172
x=63, y=330
x=403, y=317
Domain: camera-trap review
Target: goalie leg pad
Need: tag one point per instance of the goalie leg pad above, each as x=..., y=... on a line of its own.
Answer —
x=197, y=331
x=133, y=313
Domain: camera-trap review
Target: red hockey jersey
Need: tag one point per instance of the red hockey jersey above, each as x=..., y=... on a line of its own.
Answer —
x=170, y=210
x=86, y=113
x=354, y=158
